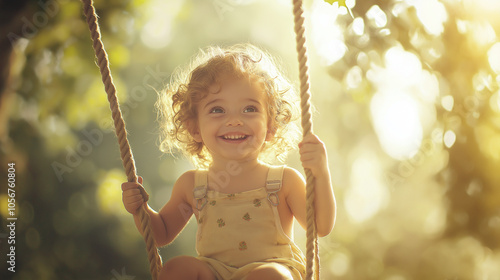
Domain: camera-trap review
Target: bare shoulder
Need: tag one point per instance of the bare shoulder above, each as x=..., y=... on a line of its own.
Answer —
x=292, y=179
x=186, y=178
x=184, y=185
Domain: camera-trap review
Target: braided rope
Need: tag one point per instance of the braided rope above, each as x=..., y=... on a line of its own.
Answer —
x=312, y=254
x=121, y=133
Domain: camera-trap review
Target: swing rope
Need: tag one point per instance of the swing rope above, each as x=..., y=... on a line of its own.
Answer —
x=312, y=249
x=155, y=263
x=121, y=133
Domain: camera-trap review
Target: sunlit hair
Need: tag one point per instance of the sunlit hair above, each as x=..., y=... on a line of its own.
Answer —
x=177, y=104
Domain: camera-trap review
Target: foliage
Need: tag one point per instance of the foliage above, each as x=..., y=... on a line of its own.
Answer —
x=408, y=105
x=339, y=2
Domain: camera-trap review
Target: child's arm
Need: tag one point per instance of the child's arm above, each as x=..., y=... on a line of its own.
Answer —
x=173, y=216
x=313, y=157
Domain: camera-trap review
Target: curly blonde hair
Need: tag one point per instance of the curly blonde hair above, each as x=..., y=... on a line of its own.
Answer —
x=177, y=103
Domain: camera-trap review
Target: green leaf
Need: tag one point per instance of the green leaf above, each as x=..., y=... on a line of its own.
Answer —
x=341, y=4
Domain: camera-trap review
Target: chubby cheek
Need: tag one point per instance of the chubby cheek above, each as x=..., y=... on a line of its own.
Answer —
x=263, y=128
x=208, y=127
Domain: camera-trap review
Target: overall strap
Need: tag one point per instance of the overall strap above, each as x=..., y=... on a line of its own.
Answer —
x=200, y=188
x=273, y=184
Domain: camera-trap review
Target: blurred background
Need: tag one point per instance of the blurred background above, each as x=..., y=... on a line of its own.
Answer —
x=407, y=101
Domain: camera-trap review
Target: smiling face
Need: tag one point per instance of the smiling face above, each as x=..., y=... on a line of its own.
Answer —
x=233, y=122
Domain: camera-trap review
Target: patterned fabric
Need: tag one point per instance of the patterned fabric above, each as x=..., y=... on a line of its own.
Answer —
x=238, y=232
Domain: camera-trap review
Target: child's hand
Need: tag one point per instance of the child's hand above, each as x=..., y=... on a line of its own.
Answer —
x=313, y=155
x=132, y=197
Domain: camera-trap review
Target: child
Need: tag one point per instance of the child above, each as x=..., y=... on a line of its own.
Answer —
x=229, y=111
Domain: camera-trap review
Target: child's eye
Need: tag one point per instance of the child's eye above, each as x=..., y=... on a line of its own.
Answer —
x=250, y=109
x=216, y=110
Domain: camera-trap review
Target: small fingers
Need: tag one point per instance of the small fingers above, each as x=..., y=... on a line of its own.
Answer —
x=308, y=148
x=310, y=138
x=312, y=142
x=132, y=203
x=306, y=157
x=129, y=185
x=133, y=198
x=309, y=161
x=133, y=207
x=132, y=185
x=131, y=192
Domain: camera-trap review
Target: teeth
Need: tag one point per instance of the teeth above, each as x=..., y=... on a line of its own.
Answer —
x=234, y=137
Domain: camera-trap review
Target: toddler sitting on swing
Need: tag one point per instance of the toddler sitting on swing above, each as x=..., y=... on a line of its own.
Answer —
x=230, y=112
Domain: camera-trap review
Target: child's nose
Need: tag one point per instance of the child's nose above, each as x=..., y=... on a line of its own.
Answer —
x=234, y=121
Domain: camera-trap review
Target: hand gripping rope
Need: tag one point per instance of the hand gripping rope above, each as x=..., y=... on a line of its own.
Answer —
x=312, y=249
x=155, y=263
x=121, y=133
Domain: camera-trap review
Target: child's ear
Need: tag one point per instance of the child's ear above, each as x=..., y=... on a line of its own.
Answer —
x=197, y=136
x=194, y=131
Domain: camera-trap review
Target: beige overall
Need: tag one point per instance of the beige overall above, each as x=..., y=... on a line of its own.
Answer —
x=239, y=232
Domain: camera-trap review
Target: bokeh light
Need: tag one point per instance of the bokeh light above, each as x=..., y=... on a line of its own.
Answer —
x=432, y=14
x=327, y=36
x=157, y=31
x=376, y=16
x=368, y=193
x=406, y=97
x=494, y=57
x=397, y=123
x=109, y=192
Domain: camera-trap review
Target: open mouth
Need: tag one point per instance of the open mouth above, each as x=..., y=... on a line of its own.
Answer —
x=234, y=137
